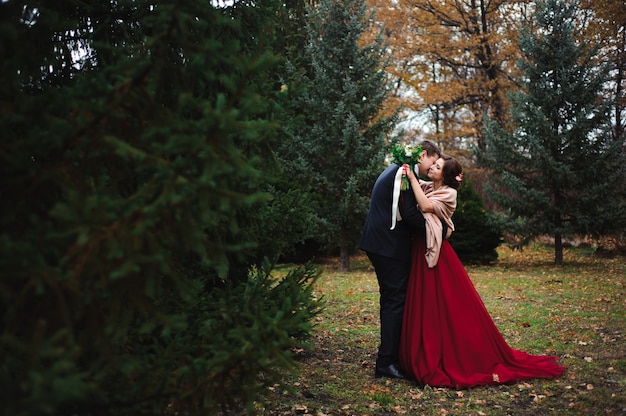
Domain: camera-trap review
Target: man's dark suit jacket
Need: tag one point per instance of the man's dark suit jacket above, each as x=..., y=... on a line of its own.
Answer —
x=377, y=237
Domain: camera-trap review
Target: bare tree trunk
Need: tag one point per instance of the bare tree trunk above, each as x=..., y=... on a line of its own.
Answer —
x=558, y=249
x=618, y=129
x=344, y=259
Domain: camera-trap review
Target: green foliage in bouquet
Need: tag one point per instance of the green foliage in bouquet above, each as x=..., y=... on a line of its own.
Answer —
x=404, y=154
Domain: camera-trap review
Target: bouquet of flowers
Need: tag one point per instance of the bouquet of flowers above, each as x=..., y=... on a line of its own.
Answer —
x=405, y=154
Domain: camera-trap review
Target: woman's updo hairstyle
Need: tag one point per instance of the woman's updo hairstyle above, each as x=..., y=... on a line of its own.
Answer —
x=451, y=170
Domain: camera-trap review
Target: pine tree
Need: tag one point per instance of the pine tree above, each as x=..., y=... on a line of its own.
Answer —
x=339, y=147
x=558, y=171
x=136, y=138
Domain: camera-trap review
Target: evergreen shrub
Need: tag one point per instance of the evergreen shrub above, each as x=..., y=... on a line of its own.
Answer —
x=475, y=239
x=134, y=193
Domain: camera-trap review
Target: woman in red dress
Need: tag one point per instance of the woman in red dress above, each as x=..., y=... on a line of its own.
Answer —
x=448, y=337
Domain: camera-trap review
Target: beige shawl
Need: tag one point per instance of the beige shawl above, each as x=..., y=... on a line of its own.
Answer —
x=444, y=203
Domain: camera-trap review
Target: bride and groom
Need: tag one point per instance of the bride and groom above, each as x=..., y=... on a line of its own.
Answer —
x=434, y=327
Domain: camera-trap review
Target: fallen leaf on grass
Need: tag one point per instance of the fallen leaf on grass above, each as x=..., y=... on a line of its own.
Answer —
x=301, y=409
x=415, y=396
x=537, y=398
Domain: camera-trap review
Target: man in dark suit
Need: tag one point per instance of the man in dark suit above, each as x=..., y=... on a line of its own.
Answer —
x=390, y=253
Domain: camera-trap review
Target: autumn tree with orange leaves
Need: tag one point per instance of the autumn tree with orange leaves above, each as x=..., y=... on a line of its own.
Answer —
x=452, y=63
x=604, y=21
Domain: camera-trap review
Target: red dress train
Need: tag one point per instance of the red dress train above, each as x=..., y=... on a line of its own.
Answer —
x=449, y=338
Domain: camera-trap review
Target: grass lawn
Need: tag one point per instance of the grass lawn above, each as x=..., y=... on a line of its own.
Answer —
x=576, y=311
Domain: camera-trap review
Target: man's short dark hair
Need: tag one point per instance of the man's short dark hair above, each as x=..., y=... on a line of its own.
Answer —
x=431, y=148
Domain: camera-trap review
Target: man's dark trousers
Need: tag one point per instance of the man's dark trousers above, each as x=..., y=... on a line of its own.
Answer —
x=393, y=276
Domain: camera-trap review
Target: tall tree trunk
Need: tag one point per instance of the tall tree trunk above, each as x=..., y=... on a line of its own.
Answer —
x=558, y=249
x=618, y=129
x=344, y=258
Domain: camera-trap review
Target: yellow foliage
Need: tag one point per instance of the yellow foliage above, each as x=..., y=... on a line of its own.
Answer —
x=456, y=57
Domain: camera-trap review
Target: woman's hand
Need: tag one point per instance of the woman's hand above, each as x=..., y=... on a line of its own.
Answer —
x=409, y=173
x=423, y=202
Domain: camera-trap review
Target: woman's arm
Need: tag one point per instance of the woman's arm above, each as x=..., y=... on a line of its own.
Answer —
x=422, y=200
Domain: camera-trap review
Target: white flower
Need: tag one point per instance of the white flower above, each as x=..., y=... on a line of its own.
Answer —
x=408, y=152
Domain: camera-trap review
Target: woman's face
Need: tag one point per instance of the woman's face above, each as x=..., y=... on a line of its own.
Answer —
x=435, y=173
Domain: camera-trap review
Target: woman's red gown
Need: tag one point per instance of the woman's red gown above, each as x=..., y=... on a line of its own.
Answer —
x=449, y=338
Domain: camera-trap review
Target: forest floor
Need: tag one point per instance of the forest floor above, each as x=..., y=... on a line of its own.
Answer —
x=576, y=311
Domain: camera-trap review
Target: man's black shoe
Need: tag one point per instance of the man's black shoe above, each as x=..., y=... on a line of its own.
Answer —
x=391, y=371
